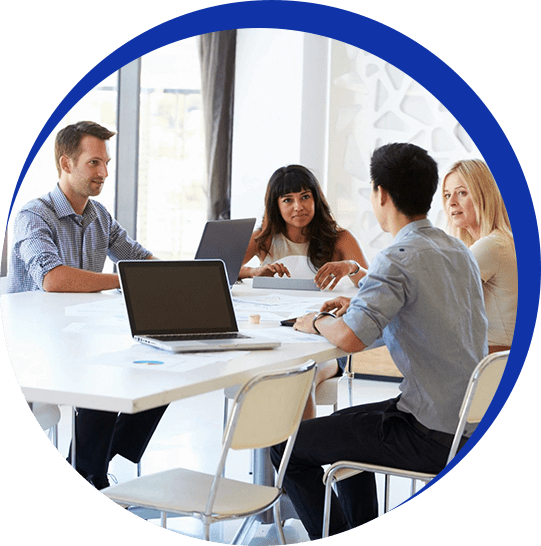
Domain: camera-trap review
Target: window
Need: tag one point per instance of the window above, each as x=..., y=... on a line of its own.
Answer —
x=99, y=105
x=171, y=185
x=171, y=195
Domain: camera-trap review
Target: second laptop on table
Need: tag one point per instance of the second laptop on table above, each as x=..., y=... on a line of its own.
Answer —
x=226, y=240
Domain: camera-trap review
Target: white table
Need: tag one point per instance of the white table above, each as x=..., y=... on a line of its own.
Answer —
x=64, y=356
x=63, y=359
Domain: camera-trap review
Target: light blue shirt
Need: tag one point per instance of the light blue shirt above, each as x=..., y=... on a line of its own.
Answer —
x=423, y=296
x=47, y=233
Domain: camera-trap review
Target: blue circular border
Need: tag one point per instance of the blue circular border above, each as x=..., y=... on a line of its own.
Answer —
x=411, y=58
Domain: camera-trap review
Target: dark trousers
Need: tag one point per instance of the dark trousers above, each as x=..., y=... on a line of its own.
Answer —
x=100, y=435
x=373, y=433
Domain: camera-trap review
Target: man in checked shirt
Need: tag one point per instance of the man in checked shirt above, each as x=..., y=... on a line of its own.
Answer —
x=60, y=243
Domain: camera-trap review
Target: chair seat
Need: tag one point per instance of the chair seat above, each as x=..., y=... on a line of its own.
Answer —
x=47, y=415
x=327, y=392
x=183, y=491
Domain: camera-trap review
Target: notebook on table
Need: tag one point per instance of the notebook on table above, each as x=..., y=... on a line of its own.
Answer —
x=226, y=240
x=284, y=283
x=183, y=306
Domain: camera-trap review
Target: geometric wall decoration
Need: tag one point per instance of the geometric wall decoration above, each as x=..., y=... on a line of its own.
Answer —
x=374, y=103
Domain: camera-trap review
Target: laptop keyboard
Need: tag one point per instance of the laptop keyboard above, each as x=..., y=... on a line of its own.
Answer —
x=198, y=337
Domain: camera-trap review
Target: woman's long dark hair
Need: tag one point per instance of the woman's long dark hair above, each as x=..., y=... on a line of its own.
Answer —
x=322, y=231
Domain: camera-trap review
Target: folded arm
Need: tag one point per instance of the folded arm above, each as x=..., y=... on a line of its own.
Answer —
x=70, y=279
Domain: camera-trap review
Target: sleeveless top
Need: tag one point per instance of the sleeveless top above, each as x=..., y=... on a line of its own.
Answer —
x=283, y=250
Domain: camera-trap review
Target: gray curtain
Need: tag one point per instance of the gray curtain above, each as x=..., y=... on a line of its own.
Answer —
x=4, y=262
x=217, y=56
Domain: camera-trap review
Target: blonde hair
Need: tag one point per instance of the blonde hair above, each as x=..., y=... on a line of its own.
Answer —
x=487, y=200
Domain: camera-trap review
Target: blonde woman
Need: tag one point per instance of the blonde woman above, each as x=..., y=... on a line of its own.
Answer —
x=476, y=214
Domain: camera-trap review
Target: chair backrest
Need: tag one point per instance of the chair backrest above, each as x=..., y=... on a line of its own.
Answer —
x=267, y=411
x=481, y=389
x=269, y=408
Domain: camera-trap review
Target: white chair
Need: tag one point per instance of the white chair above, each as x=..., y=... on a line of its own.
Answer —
x=326, y=395
x=480, y=391
x=267, y=411
x=48, y=417
x=326, y=391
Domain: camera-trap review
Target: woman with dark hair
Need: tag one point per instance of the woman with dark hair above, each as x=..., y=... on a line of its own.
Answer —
x=298, y=222
x=298, y=226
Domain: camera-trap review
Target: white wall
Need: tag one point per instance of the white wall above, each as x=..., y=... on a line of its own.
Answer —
x=373, y=103
x=302, y=98
x=280, y=114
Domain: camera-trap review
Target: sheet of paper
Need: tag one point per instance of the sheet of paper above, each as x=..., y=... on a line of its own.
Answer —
x=286, y=334
x=282, y=305
x=106, y=325
x=111, y=307
x=140, y=356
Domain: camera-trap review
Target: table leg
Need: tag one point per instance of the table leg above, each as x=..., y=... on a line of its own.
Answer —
x=264, y=475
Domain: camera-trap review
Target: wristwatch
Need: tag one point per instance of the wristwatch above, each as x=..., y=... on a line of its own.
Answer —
x=318, y=316
x=353, y=273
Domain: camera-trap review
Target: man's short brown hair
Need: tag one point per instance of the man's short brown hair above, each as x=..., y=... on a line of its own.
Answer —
x=68, y=139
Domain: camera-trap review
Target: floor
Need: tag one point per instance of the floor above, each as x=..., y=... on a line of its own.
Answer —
x=189, y=435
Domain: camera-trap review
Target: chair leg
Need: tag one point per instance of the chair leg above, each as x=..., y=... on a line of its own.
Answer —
x=54, y=435
x=278, y=522
x=350, y=375
x=243, y=530
x=226, y=415
x=327, y=507
x=387, y=493
x=226, y=411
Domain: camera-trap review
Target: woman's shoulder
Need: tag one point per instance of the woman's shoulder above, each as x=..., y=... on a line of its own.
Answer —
x=495, y=248
x=343, y=234
x=495, y=240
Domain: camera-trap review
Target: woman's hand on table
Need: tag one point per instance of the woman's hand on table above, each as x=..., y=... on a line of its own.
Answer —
x=329, y=274
x=270, y=270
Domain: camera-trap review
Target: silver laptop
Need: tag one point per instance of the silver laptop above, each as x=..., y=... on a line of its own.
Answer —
x=183, y=306
x=228, y=241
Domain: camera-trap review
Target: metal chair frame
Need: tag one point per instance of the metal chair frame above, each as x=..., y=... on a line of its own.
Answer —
x=233, y=439
x=48, y=416
x=474, y=405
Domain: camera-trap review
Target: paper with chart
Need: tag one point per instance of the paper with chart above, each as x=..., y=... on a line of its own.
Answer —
x=277, y=306
x=140, y=356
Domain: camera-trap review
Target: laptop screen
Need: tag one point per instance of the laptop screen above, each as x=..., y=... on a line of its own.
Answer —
x=177, y=297
x=228, y=241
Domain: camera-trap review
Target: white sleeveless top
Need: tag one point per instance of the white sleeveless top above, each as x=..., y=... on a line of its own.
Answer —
x=293, y=255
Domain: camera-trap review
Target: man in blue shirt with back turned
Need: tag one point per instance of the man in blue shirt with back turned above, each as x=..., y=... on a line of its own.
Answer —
x=422, y=296
x=60, y=243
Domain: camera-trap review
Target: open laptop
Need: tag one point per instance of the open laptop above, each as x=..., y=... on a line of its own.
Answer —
x=183, y=306
x=228, y=241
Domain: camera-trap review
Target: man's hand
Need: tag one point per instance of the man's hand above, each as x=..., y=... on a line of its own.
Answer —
x=304, y=324
x=338, y=306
